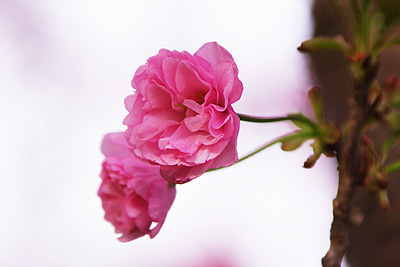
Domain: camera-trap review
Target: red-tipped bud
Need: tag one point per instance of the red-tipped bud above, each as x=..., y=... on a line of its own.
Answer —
x=357, y=57
x=310, y=162
x=384, y=200
x=382, y=179
x=391, y=84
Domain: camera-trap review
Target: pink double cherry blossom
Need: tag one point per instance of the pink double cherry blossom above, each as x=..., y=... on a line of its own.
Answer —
x=181, y=116
x=134, y=195
x=180, y=124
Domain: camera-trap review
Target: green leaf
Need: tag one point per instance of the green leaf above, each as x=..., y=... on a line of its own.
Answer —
x=393, y=119
x=391, y=9
x=393, y=167
x=390, y=141
x=291, y=145
x=377, y=29
x=317, y=103
x=390, y=43
x=324, y=43
x=294, y=141
x=303, y=122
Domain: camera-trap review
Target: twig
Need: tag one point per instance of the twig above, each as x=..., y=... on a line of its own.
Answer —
x=350, y=175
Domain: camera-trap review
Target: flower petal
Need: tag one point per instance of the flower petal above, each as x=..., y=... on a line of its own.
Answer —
x=214, y=53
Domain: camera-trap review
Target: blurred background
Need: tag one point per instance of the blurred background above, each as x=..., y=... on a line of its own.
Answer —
x=65, y=69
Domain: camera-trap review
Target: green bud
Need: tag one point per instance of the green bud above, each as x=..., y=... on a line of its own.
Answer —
x=330, y=133
x=324, y=43
x=384, y=200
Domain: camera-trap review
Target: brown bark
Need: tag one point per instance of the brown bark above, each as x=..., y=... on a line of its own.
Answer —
x=350, y=175
x=376, y=242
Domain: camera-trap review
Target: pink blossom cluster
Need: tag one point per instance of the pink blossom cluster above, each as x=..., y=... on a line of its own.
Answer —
x=180, y=124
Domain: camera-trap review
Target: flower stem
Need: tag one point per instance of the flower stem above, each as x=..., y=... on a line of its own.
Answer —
x=262, y=119
x=258, y=150
x=250, y=154
x=281, y=139
x=298, y=117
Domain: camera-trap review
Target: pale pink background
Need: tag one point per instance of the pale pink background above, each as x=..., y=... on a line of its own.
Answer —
x=65, y=69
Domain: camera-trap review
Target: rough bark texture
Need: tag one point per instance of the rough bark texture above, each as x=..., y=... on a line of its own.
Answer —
x=376, y=242
x=351, y=175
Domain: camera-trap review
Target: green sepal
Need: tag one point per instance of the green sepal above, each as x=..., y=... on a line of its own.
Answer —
x=393, y=167
x=393, y=119
x=291, y=145
x=318, y=147
x=390, y=141
x=310, y=162
x=395, y=41
x=377, y=29
x=324, y=43
x=317, y=102
x=330, y=133
x=294, y=141
x=303, y=122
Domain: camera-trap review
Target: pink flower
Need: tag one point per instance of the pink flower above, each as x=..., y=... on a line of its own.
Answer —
x=180, y=116
x=133, y=193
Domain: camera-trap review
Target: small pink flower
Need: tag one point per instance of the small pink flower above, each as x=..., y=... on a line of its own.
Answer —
x=180, y=116
x=133, y=193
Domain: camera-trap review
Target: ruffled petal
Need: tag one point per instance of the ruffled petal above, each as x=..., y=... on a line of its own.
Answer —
x=115, y=145
x=183, y=174
x=182, y=118
x=214, y=54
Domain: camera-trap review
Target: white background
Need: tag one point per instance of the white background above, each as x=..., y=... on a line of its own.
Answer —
x=65, y=68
